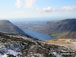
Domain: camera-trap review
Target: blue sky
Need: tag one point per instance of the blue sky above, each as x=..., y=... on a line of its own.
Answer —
x=37, y=8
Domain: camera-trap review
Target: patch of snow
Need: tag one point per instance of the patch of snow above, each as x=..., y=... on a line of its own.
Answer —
x=39, y=55
x=56, y=54
x=32, y=47
x=10, y=52
x=4, y=55
x=13, y=52
x=1, y=55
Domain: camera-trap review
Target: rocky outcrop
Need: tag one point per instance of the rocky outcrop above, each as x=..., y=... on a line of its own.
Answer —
x=20, y=47
x=27, y=47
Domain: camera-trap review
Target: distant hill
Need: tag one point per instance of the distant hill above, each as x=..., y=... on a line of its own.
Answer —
x=60, y=29
x=39, y=26
x=7, y=27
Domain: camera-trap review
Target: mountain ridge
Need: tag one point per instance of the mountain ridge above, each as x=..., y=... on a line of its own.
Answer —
x=8, y=27
x=66, y=28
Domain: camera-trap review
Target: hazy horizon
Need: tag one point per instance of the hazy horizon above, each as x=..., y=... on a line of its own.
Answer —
x=35, y=19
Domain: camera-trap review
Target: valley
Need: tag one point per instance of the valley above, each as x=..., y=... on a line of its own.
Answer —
x=37, y=28
x=59, y=29
x=34, y=39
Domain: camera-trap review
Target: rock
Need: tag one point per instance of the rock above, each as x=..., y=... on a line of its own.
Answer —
x=20, y=47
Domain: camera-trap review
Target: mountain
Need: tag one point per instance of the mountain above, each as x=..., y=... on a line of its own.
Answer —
x=66, y=25
x=65, y=28
x=7, y=27
x=39, y=26
x=17, y=45
x=60, y=29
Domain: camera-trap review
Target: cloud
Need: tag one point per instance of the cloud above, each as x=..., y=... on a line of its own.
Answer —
x=26, y=3
x=18, y=3
x=68, y=8
x=49, y=9
x=29, y=3
x=65, y=8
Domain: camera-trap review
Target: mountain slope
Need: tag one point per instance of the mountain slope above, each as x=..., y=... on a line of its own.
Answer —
x=66, y=25
x=29, y=47
x=65, y=28
x=60, y=29
x=39, y=26
x=7, y=27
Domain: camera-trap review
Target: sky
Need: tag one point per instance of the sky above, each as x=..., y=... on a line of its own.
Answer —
x=37, y=9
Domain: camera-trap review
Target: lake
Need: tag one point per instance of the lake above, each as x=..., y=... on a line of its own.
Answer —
x=38, y=35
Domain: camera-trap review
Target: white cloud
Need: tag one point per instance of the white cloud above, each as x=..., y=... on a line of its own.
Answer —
x=26, y=3
x=68, y=8
x=65, y=8
x=49, y=9
x=18, y=3
x=29, y=3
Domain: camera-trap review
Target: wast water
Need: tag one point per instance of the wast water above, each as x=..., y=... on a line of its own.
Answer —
x=38, y=35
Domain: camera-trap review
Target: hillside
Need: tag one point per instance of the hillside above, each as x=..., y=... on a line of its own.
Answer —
x=7, y=27
x=65, y=28
x=59, y=29
x=22, y=46
x=39, y=26
x=66, y=25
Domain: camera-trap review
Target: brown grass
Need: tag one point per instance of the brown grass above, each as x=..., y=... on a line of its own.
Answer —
x=61, y=42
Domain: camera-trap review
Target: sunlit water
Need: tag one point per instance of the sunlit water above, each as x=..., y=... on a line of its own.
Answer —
x=38, y=35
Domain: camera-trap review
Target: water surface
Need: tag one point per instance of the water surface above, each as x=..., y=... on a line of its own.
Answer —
x=38, y=35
